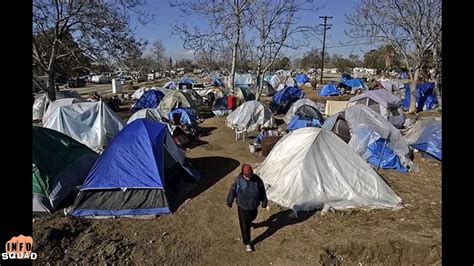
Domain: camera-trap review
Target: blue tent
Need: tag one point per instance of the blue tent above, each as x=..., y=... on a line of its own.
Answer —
x=150, y=99
x=345, y=77
x=404, y=75
x=138, y=174
x=288, y=94
x=354, y=83
x=329, y=90
x=429, y=138
x=425, y=96
x=188, y=115
x=302, y=78
x=186, y=80
x=382, y=156
x=302, y=121
x=268, y=78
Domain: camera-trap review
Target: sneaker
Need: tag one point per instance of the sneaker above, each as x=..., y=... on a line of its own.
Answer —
x=248, y=248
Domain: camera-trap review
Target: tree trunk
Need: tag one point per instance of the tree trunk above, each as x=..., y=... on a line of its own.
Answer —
x=413, y=81
x=50, y=90
x=234, y=62
x=437, y=76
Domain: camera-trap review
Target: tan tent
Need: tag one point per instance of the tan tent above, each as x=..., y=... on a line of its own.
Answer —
x=176, y=99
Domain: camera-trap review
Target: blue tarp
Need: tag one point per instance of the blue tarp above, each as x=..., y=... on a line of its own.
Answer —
x=187, y=115
x=429, y=140
x=217, y=81
x=134, y=159
x=354, y=83
x=345, y=77
x=287, y=95
x=186, y=80
x=301, y=122
x=150, y=99
x=425, y=96
x=383, y=156
x=268, y=78
x=302, y=78
x=220, y=104
x=329, y=90
x=404, y=75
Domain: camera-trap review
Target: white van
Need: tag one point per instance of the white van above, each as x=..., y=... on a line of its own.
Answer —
x=100, y=79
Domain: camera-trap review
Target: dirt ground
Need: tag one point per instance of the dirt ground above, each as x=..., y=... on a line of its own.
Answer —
x=205, y=232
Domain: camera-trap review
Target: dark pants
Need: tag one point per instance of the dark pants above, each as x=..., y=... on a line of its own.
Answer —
x=245, y=219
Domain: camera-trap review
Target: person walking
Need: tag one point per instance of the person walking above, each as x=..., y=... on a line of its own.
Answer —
x=249, y=192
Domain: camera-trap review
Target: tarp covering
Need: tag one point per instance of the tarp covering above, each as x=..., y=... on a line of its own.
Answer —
x=250, y=115
x=391, y=85
x=176, y=99
x=151, y=114
x=303, y=121
x=367, y=127
x=217, y=81
x=384, y=103
x=345, y=76
x=56, y=104
x=219, y=107
x=425, y=96
x=289, y=94
x=91, y=123
x=243, y=79
x=186, y=80
x=311, y=167
x=60, y=163
x=150, y=99
x=130, y=176
x=294, y=107
x=426, y=136
x=188, y=116
x=275, y=81
x=244, y=93
x=302, y=78
x=41, y=103
x=267, y=89
x=404, y=75
x=355, y=84
x=170, y=85
x=329, y=90
x=333, y=107
x=383, y=97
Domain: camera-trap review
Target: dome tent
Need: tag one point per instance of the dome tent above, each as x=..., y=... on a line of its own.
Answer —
x=311, y=167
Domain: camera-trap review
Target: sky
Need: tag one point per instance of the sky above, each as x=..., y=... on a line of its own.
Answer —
x=165, y=16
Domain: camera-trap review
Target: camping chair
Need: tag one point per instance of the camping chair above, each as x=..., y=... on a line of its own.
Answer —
x=240, y=131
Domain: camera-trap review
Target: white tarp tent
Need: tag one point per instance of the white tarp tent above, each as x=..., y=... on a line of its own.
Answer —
x=367, y=126
x=147, y=113
x=56, y=104
x=41, y=103
x=391, y=85
x=91, y=123
x=294, y=107
x=311, y=168
x=250, y=115
x=383, y=102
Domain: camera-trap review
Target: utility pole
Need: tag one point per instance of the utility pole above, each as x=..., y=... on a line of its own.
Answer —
x=326, y=27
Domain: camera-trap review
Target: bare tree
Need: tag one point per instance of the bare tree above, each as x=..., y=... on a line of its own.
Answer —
x=158, y=51
x=277, y=27
x=412, y=28
x=101, y=30
x=225, y=19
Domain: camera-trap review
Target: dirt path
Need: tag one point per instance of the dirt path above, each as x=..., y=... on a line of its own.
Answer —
x=205, y=232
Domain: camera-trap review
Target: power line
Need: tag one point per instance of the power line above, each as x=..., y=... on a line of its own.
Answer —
x=326, y=27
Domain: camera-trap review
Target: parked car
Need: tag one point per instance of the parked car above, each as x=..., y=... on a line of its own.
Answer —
x=76, y=83
x=100, y=79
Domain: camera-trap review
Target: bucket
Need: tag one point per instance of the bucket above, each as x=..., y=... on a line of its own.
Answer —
x=252, y=148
